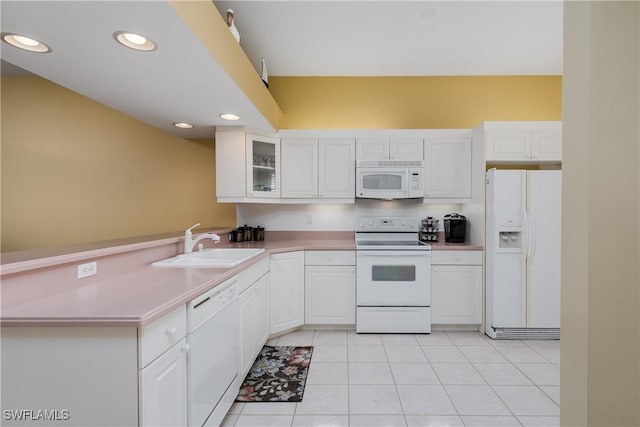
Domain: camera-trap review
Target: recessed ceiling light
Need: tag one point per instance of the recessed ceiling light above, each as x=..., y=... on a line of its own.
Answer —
x=183, y=125
x=134, y=41
x=229, y=116
x=25, y=43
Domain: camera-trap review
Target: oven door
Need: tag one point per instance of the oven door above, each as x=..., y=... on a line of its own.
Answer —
x=397, y=278
x=382, y=183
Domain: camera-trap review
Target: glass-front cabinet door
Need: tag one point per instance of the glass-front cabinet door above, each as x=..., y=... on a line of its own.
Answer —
x=263, y=166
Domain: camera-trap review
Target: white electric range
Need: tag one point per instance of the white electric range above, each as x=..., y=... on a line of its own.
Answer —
x=393, y=276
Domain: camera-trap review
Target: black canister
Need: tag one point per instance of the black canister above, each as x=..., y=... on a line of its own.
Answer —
x=258, y=233
x=455, y=228
x=239, y=234
x=247, y=233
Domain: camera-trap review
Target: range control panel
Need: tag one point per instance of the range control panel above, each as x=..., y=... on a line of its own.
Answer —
x=387, y=223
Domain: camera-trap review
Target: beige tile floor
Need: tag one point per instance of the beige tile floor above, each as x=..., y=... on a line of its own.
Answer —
x=438, y=379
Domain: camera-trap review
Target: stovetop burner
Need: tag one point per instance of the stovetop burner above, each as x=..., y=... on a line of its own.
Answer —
x=388, y=233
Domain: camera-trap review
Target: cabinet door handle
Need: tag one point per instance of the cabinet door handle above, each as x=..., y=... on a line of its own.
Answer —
x=171, y=331
x=185, y=347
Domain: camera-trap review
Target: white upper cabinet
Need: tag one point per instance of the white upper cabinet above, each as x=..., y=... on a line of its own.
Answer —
x=528, y=142
x=406, y=149
x=306, y=166
x=263, y=166
x=337, y=168
x=394, y=148
x=447, y=169
x=299, y=168
x=318, y=168
x=508, y=145
x=546, y=145
x=372, y=148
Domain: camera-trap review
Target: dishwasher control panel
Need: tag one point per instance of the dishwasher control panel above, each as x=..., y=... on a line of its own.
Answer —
x=202, y=308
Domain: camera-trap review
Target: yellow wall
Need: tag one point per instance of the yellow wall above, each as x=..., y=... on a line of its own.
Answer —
x=414, y=102
x=74, y=171
x=207, y=24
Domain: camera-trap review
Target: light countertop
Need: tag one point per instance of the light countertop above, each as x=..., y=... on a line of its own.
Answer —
x=128, y=291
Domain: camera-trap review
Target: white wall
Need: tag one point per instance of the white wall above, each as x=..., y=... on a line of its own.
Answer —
x=600, y=338
x=336, y=217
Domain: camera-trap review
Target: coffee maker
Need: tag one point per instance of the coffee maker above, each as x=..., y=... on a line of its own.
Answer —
x=455, y=228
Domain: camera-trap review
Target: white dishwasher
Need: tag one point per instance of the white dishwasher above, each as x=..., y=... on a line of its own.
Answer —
x=213, y=335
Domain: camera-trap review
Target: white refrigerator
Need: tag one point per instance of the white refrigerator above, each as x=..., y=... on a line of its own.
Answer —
x=522, y=275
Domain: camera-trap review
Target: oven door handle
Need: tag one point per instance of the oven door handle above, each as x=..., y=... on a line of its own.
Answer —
x=400, y=253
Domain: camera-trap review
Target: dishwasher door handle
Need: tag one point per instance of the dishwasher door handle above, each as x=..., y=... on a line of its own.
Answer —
x=202, y=302
x=226, y=294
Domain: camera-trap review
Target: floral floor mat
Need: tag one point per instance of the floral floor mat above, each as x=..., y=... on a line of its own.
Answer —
x=278, y=375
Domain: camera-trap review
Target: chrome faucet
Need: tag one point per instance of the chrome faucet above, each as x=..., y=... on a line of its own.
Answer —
x=190, y=242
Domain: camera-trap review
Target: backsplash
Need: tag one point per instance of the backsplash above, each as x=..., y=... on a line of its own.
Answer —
x=285, y=217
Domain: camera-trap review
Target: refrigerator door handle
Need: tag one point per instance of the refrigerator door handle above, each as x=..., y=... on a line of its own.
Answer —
x=531, y=241
x=524, y=272
x=526, y=223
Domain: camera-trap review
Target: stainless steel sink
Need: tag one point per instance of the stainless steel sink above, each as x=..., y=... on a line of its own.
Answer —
x=211, y=258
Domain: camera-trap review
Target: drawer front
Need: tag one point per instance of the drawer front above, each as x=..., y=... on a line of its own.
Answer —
x=250, y=275
x=454, y=257
x=161, y=334
x=396, y=320
x=330, y=258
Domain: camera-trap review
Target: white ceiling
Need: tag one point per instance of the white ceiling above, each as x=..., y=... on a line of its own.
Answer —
x=401, y=38
x=177, y=82
x=181, y=82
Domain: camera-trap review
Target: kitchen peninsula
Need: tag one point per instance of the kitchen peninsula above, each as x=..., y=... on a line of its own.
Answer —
x=115, y=332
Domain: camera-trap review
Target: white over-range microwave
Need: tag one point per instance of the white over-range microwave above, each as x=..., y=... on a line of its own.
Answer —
x=390, y=179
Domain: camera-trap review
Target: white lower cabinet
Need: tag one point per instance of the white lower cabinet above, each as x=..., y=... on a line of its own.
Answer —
x=254, y=321
x=287, y=291
x=163, y=389
x=90, y=372
x=263, y=311
x=456, y=287
x=101, y=375
x=330, y=288
x=163, y=381
x=247, y=329
x=330, y=296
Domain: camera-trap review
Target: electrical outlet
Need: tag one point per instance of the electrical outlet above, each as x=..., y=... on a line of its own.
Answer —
x=88, y=269
x=309, y=219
